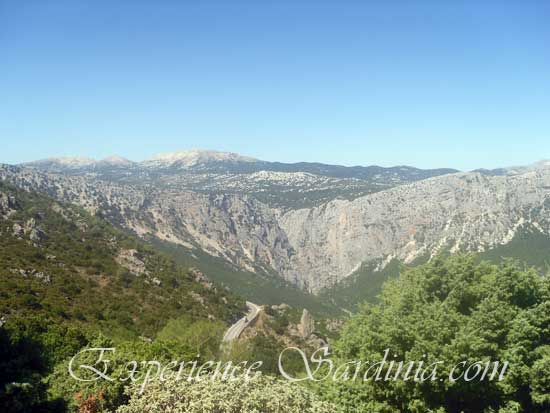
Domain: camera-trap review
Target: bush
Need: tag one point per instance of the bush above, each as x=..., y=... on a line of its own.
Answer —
x=262, y=394
x=454, y=310
x=103, y=395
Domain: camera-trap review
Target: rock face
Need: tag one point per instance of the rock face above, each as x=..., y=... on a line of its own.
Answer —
x=468, y=211
x=39, y=275
x=8, y=206
x=17, y=230
x=30, y=229
x=131, y=260
x=318, y=246
x=307, y=324
x=35, y=233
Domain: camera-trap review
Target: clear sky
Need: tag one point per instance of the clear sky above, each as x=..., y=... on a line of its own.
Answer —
x=430, y=84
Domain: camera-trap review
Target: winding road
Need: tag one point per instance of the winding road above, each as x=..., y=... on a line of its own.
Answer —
x=236, y=329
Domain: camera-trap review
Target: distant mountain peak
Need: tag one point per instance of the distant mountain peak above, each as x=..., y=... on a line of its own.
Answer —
x=65, y=161
x=195, y=157
x=518, y=170
x=78, y=162
x=116, y=160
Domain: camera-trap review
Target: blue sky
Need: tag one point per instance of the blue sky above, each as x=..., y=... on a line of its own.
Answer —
x=429, y=84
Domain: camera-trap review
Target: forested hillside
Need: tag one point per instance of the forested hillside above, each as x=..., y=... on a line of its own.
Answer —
x=68, y=279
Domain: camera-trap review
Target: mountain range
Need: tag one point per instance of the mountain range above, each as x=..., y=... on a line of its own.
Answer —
x=308, y=225
x=280, y=185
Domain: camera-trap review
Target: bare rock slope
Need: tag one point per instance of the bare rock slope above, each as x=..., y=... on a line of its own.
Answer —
x=460, y=212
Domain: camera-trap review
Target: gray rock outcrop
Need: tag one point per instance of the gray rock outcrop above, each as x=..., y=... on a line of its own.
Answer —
x=307, y=324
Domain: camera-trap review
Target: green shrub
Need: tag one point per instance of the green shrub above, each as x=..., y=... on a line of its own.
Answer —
x=263, y=394
x=453, y=310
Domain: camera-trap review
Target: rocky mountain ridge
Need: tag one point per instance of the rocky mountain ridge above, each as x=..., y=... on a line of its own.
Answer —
x=279, y=185
x=316, y=247
x=460, y=212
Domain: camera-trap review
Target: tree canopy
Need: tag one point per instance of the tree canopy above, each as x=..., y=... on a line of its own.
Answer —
x=453, y=310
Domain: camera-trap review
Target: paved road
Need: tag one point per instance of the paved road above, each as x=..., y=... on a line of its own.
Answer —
x=236, y=329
